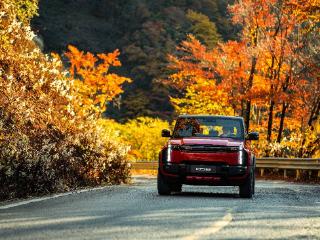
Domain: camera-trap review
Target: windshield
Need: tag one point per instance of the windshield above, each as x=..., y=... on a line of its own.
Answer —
x=213, y=127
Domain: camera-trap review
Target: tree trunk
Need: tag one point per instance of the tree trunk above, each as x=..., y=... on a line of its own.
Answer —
x=242, y=108
x=315, y=112
x=284, y=106
x=250, y=83
x=258, y=116
x=270, y=121
x=247, y=116
x=283, y=114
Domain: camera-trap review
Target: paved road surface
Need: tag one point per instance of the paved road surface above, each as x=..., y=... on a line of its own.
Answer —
x=279, y=210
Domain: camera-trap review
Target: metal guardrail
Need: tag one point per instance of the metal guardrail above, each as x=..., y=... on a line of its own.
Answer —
x=144, y=165
x=297, y=164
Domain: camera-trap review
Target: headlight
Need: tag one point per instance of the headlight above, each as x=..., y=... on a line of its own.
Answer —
x=169, y=153
x=240, y=155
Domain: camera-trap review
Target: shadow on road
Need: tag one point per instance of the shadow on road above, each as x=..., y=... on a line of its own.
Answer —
x=207, y=195
x=137, y=212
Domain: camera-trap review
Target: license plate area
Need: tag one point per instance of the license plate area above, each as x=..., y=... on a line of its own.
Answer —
x=203, y=169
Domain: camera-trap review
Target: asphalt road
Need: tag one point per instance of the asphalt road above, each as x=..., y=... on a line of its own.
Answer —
x=279, y=210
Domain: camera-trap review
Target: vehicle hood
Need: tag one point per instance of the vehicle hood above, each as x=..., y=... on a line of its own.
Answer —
x=206, y=141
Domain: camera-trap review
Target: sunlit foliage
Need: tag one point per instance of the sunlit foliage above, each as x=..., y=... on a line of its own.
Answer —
x=93, y=85
x=25, y=9
x=205, y=97
x=142, y=134
x=45, y=145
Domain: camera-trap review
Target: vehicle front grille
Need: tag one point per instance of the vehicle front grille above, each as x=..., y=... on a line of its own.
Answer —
x=207, y=148
x=201, y=162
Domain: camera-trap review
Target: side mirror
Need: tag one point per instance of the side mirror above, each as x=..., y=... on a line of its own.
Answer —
x=252, y=136
x=165, y=133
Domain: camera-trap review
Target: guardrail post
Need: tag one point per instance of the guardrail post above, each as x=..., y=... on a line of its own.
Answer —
x=261, y=172
x=285, y=173
x=319, y=174
x=297, y=174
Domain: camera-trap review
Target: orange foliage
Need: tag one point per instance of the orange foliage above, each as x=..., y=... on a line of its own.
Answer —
x=265, y=74
x=93, y=84
x=194, y=64
x=306, y=11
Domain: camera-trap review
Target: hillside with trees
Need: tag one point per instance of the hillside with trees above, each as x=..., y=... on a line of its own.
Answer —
x=144, y=31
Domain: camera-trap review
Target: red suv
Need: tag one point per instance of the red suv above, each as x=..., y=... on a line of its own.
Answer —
x=207, y=150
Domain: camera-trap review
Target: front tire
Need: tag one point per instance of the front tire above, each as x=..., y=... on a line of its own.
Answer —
x=254, y=183
x=176, y=187
x=163, y=186
x=247, y=189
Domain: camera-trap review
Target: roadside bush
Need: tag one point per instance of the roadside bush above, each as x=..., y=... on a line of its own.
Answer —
x=142, y=134
x=45, y=146
x=297, y=144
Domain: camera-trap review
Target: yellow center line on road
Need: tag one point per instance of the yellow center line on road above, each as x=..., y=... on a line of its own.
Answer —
x=212, y=229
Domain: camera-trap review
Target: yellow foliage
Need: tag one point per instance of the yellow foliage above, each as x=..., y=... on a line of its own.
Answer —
x=203, y=98
x=25, y=9
x=45, y=146
x=142, y=134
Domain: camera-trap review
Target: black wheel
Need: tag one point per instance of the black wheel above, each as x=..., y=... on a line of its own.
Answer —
x=163, y=186
x=247, y=189
x=176, y=187
x=254, y=183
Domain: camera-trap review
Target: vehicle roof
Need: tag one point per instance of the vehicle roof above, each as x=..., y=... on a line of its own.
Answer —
x=217, y=116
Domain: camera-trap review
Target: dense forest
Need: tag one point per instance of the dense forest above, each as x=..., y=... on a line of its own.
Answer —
x=145, y=32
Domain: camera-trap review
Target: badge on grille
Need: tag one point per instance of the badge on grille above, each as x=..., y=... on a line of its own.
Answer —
x=201, y=169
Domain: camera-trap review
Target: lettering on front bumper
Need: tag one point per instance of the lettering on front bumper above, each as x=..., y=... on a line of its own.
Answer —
x=203, y=169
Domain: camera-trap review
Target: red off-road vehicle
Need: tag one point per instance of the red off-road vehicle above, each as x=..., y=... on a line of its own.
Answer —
x=207, y=150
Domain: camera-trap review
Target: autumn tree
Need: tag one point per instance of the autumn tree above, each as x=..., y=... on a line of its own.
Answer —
x=251, y=15
x=267, y=74
x=93, y=85
x=195, y=78
x=272, y=30
x=305, y=11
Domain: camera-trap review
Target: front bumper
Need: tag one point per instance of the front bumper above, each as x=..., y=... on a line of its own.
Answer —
x=223, y=174
x=185, y=169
